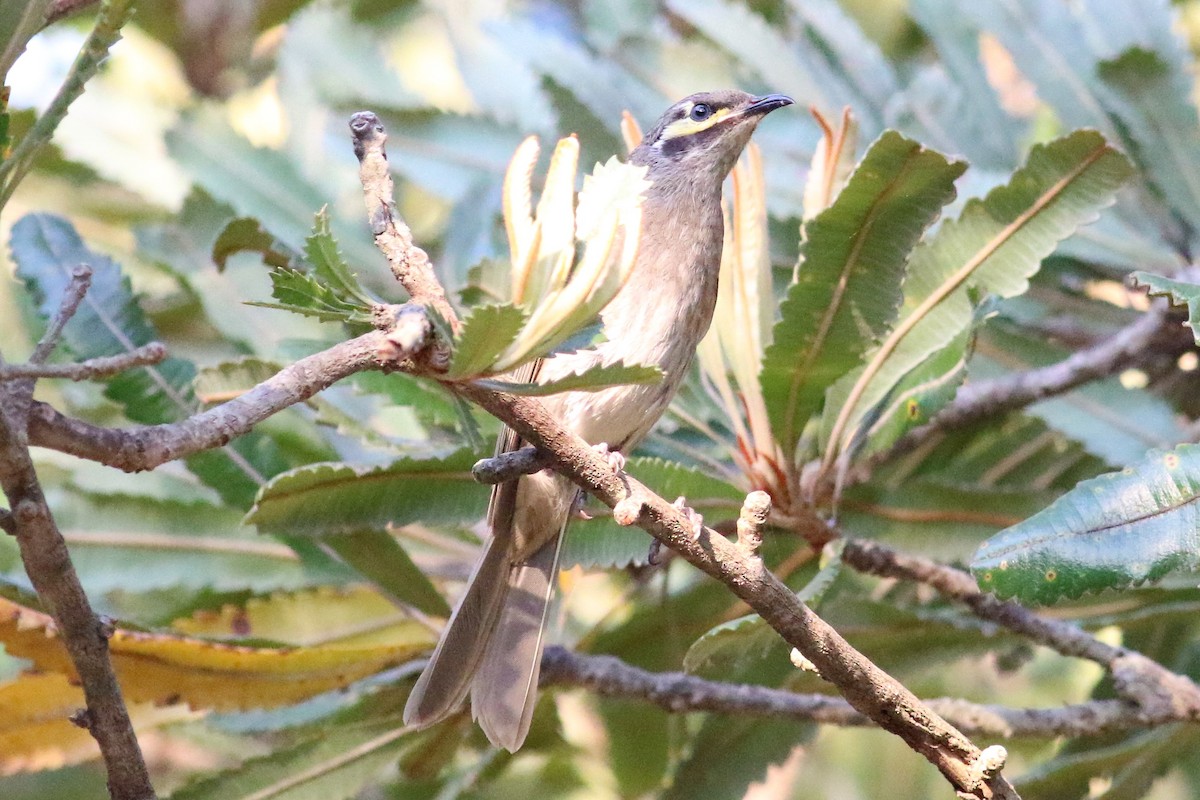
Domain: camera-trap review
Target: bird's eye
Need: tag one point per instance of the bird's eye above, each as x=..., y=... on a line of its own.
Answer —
x=700, y=112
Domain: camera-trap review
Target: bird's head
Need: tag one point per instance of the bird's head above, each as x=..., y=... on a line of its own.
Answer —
x=703, y=134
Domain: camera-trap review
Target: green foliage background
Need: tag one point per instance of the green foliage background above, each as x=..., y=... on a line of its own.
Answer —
x=189, y=173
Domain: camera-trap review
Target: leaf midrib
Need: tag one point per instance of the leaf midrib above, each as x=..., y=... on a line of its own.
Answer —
x=944, y=291
x=802, y=375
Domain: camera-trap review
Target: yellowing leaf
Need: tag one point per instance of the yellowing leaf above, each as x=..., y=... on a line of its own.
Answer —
x=354, y=617
x=35, y=728
x=162, y=668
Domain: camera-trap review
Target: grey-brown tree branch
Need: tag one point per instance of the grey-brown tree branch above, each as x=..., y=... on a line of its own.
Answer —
x=679, y=693
x=48, y=564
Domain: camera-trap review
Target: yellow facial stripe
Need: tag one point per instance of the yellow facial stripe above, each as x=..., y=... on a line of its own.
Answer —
x=687, y=126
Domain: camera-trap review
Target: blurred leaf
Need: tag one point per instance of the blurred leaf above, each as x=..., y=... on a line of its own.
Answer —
x=35, y=728
x=1180, y=293
x=588, y=379
x=247, y=234
x=229, y=379
x=324, y=499
x=730, y=753
x=106, y=32
x=334, y=764
x=354, y=616
x=19, y=22
x=638, y=740
x=1115, y=423
x=735, y=646
x=161, y=668
x=109, y=320
x=602, y=85
x=843, y=55
x=1115, y=531
x=848, y=286
x=986, y=134
x=994, y=246
x=783, y=65
x=377, y=556
x=1072, y=774
x=1161, y=125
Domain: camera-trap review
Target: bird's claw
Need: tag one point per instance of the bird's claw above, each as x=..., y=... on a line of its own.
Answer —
x=616, y=461
x=577, y=507
x=695, y=520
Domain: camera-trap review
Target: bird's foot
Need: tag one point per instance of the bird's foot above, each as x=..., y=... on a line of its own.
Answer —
x=577, y=506
x=695, y=520
x=616, y=461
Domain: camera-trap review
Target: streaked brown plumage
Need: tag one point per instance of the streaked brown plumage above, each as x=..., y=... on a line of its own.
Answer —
x=492, y=645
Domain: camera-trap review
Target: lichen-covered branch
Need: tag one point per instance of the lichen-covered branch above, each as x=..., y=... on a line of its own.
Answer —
x=681, y=693
x=92, y=369
x=988, y=399
x=48, y=565
x=408, y=262
x=146, y=447
x=1158, y=690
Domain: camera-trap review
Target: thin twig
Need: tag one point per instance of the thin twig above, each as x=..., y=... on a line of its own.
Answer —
x=408, y=262
x=680, y=693
x=1136, y=677
x=146, y=447
x=506, y=466
x=92, y=369
x=988, y=399
x=48, y=564
x=81, y=281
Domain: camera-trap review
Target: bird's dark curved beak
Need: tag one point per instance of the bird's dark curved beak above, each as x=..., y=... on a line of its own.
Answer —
x=767, y=103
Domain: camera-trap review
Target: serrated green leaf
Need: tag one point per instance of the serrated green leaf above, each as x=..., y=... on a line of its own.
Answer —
x=591, y=379
x=1115, y=531
x=323, y=499
x=1181, y=293
x=302, y=293
x=485, y=334
x=322, y=252
x=848, y=285
x=919, y=395
x=333, y=765
x=994, y=247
